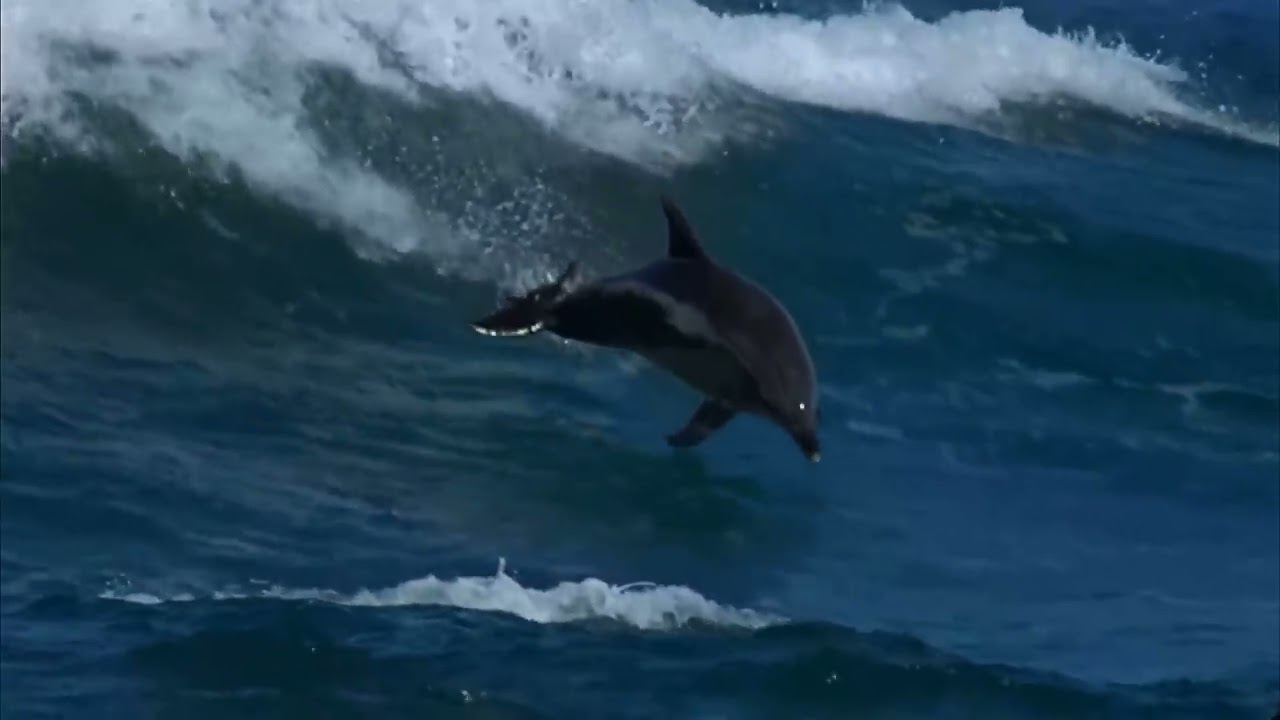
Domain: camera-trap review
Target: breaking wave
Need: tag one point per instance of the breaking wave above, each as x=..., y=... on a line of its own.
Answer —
x=642, y=605
x=257, y=89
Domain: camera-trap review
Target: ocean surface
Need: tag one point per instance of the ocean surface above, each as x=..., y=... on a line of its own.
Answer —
x=257, y=465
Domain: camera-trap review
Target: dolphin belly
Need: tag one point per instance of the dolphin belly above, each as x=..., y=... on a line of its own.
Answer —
x=712, y=371
x=672, y=335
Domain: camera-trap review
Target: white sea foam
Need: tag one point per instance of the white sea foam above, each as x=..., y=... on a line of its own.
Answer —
x=642, y=605
x=648, y=81
x=550, y=57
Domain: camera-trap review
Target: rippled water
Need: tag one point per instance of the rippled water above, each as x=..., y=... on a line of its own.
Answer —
x=255, y=464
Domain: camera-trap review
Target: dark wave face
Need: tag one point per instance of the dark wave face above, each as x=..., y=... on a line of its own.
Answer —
x=256, y=464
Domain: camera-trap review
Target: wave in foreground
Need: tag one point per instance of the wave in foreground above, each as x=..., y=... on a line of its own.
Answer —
x=643, y=605
x=793, y=665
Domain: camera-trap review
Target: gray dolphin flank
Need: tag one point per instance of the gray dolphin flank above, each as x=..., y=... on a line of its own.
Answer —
x=720, y=333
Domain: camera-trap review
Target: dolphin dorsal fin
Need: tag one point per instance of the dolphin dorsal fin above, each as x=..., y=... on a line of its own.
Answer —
x=682, y=243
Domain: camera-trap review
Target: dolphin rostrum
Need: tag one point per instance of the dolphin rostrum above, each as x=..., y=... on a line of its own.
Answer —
x=722, y=334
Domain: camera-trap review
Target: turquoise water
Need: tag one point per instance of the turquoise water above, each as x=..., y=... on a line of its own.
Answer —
x=255, y=463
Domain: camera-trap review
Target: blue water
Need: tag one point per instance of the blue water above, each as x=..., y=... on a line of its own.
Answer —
x=255, y=463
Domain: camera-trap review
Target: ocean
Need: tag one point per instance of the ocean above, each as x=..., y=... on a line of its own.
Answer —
x=256, y=464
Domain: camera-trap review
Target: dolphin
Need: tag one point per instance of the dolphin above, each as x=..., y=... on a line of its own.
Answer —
x=722, y=334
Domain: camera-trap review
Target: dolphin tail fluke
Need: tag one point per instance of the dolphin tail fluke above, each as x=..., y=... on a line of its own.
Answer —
x=526, y=314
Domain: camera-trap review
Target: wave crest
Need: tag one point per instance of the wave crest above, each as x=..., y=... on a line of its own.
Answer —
x=233, y=83
x=642, y=605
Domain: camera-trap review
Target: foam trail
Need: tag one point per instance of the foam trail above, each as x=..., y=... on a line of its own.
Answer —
x=642, y=605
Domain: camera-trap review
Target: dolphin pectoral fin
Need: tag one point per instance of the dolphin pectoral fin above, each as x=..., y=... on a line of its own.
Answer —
x=710, y=416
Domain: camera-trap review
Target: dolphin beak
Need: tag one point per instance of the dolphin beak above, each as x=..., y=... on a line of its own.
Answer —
x=808, y=442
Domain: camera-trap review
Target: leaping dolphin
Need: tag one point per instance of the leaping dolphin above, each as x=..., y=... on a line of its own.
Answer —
x=720, y=333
